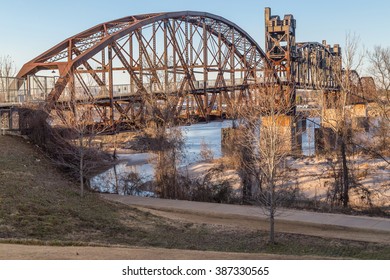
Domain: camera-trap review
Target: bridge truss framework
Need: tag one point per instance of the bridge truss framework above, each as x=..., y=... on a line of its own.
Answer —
x=198, y=63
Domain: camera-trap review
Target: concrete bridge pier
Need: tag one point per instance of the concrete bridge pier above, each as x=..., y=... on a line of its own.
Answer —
x=325, y=136
x=359, y=117
x=324, y=139
x=283, y=130
x=356, y=114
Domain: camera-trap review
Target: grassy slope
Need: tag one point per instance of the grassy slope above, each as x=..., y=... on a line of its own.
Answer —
x=39, y=205
x=38, y=202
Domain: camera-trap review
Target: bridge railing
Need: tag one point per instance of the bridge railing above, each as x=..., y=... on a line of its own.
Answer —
x=15, y=91
x=10, y=92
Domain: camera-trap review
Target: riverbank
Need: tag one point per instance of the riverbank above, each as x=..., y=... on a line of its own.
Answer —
x=40, y=206
x=313, y=178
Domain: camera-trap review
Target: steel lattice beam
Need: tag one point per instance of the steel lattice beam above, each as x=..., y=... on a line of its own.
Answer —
x=194, y=56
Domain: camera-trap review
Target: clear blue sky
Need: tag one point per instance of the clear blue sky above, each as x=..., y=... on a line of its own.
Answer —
x=30, y=27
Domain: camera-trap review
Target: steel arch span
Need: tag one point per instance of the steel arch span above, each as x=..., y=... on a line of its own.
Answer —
x=204, y=61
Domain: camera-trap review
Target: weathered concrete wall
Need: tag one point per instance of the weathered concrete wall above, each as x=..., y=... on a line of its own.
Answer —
x=284, y=128
x=358, y=111
x=330, y=118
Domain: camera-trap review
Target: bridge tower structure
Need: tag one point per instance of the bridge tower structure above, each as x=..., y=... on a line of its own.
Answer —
x=280, y=45
x=280, y=49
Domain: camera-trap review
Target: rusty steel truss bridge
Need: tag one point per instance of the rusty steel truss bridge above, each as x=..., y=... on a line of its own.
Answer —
x=199, y=63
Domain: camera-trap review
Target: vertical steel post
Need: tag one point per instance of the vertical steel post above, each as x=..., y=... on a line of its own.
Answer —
x=131, y=52
x=205, y=63
x=103, y=66
x=154, y=59
x=140, y=57
x=174, y=55
x=166, y=62
x=232, y=69
x=220, y=67
x=191, y=69
x=111, y=84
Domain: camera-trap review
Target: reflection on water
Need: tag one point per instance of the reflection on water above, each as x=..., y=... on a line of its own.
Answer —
x=210, y=133
x=114, y=179
x=307, y=133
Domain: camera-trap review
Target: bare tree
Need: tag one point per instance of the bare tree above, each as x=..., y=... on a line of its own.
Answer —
x=264, y=142
x=7, y=66
x=338, y=117
x=166, y=140
x=168, y=144
x=66, y=140
x=7, y=71
x=70, y=129
x=78, y=136
x=379, y=68
x=206, y=153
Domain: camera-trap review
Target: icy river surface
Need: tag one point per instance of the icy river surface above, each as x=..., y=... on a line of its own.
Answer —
x=209, y=133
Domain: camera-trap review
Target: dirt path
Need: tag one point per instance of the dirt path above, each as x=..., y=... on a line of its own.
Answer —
x=245, y=211
x=29, y=252
x=281, y=226
x=359, y=228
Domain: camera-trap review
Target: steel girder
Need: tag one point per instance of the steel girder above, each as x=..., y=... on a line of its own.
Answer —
x=318, y=67
x=125, y=65
x=352, y=83
x=280, y=43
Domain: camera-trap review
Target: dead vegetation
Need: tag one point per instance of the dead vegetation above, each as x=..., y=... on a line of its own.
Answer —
x=71, y=149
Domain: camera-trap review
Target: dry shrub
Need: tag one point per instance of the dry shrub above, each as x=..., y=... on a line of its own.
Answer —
x=213, y=187
x=59, y=145
x=206, y=153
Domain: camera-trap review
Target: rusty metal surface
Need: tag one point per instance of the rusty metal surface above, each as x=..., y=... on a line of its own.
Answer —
x=204, y=60
x=308, y=65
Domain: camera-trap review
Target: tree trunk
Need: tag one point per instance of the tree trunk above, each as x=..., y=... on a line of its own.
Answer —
x=81, y=167
x=271, y=215
x=246, y=186
x=116, y=180
x=345, y=174
x=272, y=229
x=81, y=174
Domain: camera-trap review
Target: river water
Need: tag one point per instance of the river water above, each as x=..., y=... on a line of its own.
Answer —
x=209, y=133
